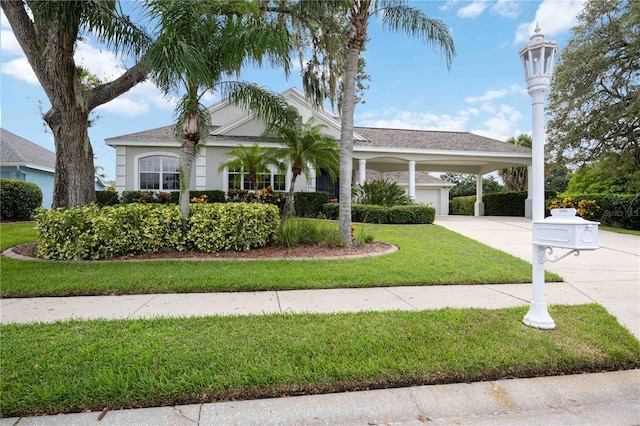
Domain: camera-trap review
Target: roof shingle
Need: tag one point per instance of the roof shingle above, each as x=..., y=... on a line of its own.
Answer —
x=17, y=150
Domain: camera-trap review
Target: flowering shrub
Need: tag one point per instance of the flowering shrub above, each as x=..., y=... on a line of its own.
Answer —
x=587, y=209
x=232, y=226
x=199, y=200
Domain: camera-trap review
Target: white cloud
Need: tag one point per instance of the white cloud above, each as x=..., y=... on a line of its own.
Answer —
x=447, y=5
x=396, y=119
x=496, y=94
x=124, y=106
x=8, y=43
x=20, y=69
x=473, y=9
x=500, y=125
x=507, y=8
x=554, y=17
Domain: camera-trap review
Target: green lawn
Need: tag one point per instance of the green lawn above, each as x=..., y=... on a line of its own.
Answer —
x=428, y=255
x=619, y=230
x=89, y=365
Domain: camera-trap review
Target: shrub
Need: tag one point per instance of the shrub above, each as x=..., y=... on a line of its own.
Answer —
x=107, y=198
x=617, y=210
x=381, y=192
x=241, y=195
x=213, y=196
x=463, y=205
x=91, y=232
x=415, y=213
x=232, y=226
x=310, y=204
x=369, y=213
x=18, y=199
x=300, y=231
x=418, y=213
x=504, y=204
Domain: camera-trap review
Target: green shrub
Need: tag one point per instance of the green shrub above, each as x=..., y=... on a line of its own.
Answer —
x=91, y=232
x=463, y=205
x=301, y=231
x=418, y=213
x=310, y=204
x=381, y=192
x=504, y=204
x=146, y=197
x=107, y=198
x=18, y=199
x=415, y=213
x=369, y=213
x=232, y=226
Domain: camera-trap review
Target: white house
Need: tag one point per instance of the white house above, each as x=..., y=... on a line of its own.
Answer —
x=149, y=160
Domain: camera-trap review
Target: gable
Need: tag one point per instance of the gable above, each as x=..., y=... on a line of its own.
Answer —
x=15, y=150
x=246, y=124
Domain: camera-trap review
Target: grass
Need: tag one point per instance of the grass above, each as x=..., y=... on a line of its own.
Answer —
x=428, y=255
x=619, y=230
x=75, y=366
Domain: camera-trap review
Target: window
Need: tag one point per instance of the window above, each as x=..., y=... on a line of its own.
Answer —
x=240, y=180
x=159, y=173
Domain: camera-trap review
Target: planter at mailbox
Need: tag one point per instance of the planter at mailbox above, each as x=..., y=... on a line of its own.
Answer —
x=566, y=230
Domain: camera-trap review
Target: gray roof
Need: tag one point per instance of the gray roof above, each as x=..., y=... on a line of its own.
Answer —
x=375, y=137
x=403, y=177
x=17, y=150
x=433, y=140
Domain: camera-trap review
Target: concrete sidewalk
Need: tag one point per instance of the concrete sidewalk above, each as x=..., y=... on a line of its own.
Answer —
x=609, y=276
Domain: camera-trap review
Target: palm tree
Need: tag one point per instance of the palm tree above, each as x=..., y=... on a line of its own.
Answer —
x=305, y=147
x=227, y=36
x=47, y=32
x=396, y=16
x=516, y=178
x=252, y=161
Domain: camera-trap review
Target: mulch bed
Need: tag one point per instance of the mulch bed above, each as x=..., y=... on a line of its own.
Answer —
x=307, y=251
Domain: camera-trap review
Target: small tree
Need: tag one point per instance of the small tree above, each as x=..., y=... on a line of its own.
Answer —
x=305, y=147
x=516, y=178
x=252, y=161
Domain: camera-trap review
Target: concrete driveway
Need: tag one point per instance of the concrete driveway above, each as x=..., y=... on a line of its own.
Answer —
x=609, y=276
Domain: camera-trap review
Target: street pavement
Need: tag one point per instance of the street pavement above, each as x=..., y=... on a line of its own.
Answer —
x=609, y=276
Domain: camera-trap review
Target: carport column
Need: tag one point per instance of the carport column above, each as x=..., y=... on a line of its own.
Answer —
x=479, y=206
x=528, y=203
x=362, y=171
x=412, y=179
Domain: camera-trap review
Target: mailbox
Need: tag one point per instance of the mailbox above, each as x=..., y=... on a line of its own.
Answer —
x=566, y=230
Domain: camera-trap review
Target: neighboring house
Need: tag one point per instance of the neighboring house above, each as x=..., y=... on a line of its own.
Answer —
x=149, y=160
x=21, y=159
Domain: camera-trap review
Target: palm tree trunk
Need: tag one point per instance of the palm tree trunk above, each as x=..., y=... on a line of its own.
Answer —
x=190, y=139
x=346, y=143
x=289, y=206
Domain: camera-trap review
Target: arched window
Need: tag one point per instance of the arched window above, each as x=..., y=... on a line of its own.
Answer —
x=160, y=173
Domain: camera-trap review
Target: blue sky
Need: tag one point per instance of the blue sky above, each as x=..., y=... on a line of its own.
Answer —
x=410, y=87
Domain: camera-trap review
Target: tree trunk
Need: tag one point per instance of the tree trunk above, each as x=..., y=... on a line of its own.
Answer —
x=346, y=143
x=289, y=208
x=75, y=174
x=190, y=139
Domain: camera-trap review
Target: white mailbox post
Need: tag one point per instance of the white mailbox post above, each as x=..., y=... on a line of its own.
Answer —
x=563, y=229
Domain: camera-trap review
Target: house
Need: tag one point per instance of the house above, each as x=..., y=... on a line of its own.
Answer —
x=149, y=160
x=21, y=159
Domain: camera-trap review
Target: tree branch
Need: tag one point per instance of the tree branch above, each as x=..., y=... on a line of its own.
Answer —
x=109, y=91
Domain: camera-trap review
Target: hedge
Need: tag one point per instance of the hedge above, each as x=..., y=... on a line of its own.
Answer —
x=107, y=198
x=367, y=213
x=232, y=226
x=498, y=204
x=617, y=210
x=18, y=199
x=91, y=232
x=309, y=204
